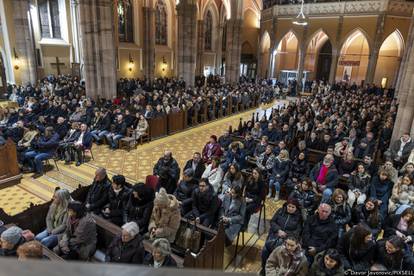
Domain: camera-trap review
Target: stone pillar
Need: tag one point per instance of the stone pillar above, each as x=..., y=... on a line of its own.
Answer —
x=148, y=42
x=98, y=43
x=405, y=116
x=200, y=48
x=187, y=43
x=219, y=50
x=24, y=46
x=302, y=56
x=373, y=57
x=336, y=51
x=403, y=64
x=233, y=50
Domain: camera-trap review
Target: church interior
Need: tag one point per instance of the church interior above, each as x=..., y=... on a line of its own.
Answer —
x=267, y=137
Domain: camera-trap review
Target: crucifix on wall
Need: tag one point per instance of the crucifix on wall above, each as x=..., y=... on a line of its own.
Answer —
x=57, y=64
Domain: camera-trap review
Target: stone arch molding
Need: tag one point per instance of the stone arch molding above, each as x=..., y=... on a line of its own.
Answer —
x=310, y=38
x=353, y=32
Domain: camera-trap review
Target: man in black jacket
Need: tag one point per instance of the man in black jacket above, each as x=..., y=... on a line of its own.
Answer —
x=320, y=232
x=185, y=189
x=196, y=164
x=98, y=193
x=118, y=132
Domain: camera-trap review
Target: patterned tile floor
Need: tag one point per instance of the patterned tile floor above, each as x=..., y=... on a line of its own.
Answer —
x=136, y=165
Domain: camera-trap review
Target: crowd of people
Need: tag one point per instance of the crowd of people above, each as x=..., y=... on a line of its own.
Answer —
x=352, y=209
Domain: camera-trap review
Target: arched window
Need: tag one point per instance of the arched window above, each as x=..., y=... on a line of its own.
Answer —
x=49, y=18
x=161, y=23
x=125, y=26
x=208, y=31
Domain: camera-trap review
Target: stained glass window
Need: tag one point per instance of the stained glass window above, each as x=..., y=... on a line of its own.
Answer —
x=125, y=25
x=208, y=31
x=49, y=18
x=161, y=23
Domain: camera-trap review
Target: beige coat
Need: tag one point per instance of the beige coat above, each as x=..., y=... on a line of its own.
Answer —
x=166, y=221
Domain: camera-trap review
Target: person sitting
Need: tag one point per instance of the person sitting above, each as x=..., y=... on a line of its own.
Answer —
x=402, y=195
x=320, y=231
x=24, y=143
x=30, y=250
x=83, y=141
x=97, y=195
x=78, y=242
x=287, y=259
x=266, y=160
x=341, y=212
x=368, y=215
x=184, y=191
x=11, y=239
x=401, y=225
x=214, y=173
x=102, y=127
x=165, y=217
x=328, y=262
x=71, y=136
x=141, y=128
x=249, y=144
x=126, y=247
x=261, y=147
x=232, y=213
x=287, y=221
x=401, y=149
x=234, y=155
x=139, y=206
x=324, y=177
x=211, y=149
x=225, y=141
x=196, y=164
x=205, y=203
x=118, y=196
x=256, y=131
x=357, y=248
x=366, y=146
x=280, y=173
x=392, y=254
x=168, y=171
x=160, y=255
x=42, y=149
x=231, y=179
x=358, y=184
x=56, y=219
x=117, y=133
x=313, y=142
x=342, y=148
x=304, y=193
x=346, y=164
x=381, y=188
x=254, y=190
x=299, y=170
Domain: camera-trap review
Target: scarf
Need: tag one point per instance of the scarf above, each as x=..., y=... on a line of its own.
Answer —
x=400, y=151
x=322, y=175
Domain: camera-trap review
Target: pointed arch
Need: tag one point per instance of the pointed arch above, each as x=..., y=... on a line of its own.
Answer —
x=352, y=35
x=265, y=42
x=389, y=59
x=208, y=31
x=316, y=36
x=287, y=33
x=285, y=54
x=317, y=62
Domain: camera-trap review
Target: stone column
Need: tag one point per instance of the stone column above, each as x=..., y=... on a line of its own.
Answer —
x=302, y=56
x=233, y=50
x=98, y=43
x=335, y=51
x=403, y=64
x=148, y=53
x=405, y=116
x=219, y=50
x=200, y=48
x=24, y=43
x=187, y=43
x=373, y=57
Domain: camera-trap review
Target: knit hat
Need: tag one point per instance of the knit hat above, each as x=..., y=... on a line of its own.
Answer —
x=161, y=198
x=131, y=227
x=12, y=235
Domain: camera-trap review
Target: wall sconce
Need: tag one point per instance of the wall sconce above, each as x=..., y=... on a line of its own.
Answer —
x=130, y=63
x=16, y=60
x=164, y=64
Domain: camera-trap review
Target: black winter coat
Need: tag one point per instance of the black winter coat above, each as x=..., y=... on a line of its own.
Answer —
x=140, y=210
x=362, y=215
x=341, y=213
x=359, y=182
x=204, y=204
x=185, y=190
x=391, y=224
x=117, y=204
x=132, y=252
x=289, y=223
x=356, y=259
x=400, y=260
x=321, y=234
x=299, y=169
x=98, y=195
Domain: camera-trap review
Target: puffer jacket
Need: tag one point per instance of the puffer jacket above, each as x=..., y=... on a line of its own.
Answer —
x=359, y=182
x=166, y=220
x=289, y=223
x=131, y=252
x=318, y=268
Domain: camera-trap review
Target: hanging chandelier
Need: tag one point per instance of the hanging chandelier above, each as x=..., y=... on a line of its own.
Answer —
x=301, y=18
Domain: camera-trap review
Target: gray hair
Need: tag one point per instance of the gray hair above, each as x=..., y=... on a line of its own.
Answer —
x=163, y=245
x=64, y=197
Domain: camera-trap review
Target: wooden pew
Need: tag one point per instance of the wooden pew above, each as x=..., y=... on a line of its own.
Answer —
x=158, y=127
x=175, y=122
